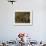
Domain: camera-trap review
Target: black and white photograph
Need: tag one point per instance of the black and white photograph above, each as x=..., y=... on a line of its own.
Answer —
x=23, y=17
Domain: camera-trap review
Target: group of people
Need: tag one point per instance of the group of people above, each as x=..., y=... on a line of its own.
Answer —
x=22, y=18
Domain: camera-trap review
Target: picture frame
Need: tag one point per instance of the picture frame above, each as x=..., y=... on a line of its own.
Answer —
x=23, y=18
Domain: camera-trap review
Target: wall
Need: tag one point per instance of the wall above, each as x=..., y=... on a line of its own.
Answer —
x=9, y=31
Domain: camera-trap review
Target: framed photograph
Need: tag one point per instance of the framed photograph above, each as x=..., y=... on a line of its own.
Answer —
x=23, y=17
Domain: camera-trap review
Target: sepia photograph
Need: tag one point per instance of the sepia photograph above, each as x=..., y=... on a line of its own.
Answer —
x=23, y=17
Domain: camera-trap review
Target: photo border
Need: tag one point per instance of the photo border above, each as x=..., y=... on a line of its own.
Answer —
x=24, y=24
